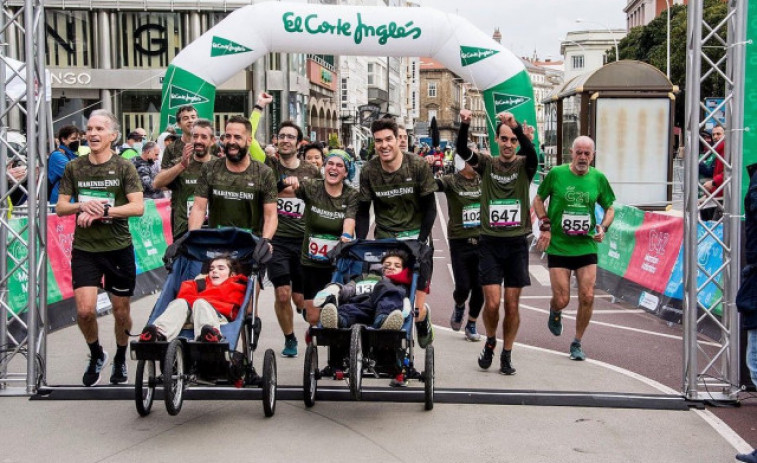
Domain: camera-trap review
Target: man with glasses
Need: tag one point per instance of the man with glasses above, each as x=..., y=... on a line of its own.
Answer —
x=505, y=223
x=571, y=243
x=284, y=269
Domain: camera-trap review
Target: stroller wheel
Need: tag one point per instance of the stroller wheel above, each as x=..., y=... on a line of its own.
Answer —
x=144, y=386
x=428, y=378
x=174, y=378
x=310, y=376
x=269, y=383
x=356, y=362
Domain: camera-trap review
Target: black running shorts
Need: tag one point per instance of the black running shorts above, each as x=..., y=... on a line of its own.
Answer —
x=115, y=271
x=503, y=260
x=284, y=268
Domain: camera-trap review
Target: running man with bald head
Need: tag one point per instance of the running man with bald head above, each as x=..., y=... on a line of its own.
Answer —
x=569, y=234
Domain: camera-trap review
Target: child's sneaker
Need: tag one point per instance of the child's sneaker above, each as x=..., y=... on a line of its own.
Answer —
x=151, y=334
x=329, y=316
x=210, y=334
x=393, y=321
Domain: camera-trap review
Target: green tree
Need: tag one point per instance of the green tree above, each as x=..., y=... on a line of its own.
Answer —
x=649, y=44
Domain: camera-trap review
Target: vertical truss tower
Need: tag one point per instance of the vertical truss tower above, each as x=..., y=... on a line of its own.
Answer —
x=23, y=256
x=712, y=373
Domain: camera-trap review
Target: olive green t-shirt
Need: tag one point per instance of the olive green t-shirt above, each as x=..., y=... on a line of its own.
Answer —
x=182, y=196
x=505, y=205
x=110, y=181
x=396, y=195
x=324, y=220
x=236, y=199
x=463, y=205
x=571, y=208
x=291, y=210
x=172, y=153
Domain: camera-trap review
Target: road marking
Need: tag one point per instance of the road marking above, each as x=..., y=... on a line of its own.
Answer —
x=442, y=220
x=573, y=296
x=540, y=273
x=725, y=431
x=608, y=311
x=621, y=327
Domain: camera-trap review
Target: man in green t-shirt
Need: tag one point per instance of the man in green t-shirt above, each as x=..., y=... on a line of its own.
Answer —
x=401, y=188
x=505, y=223
x=236, y=191
x=571, y=243
x=107, y=191
x=185, y=118
x=284, y=269
x=182, y=177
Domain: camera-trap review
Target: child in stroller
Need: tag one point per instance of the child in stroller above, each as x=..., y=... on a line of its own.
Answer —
x=378, y=300
x=208, y=302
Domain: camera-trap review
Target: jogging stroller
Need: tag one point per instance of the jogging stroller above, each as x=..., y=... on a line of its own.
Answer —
x=185, y=361
x=362, y=351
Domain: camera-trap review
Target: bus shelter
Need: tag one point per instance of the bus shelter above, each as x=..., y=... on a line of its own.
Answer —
x=627, y=107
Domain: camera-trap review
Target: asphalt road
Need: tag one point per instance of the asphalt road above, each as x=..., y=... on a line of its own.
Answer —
x=621, y=335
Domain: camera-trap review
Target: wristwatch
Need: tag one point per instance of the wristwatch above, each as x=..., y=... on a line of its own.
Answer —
x=545, y=224
x=106, y=210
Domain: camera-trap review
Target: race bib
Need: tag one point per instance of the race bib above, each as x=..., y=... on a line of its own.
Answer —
x=365, y=287
x=320, y=245
x=472, y=215
x=576, y=223
x=408, y=235
x=504, y=213
x=190, y=203
x=291, y=207
x=97, y=195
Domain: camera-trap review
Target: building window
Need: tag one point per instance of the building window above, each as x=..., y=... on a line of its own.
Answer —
x=578, y=61
x=69, y=39
x=371, y=80
x=149, y=41
x=274, y=61
x=432, y=89
x=344, y=93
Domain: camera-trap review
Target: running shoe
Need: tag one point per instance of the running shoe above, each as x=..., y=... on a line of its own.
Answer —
x=576, y=353
x=94, y=369
x=425, y=330
x=456, y=320
x=471, y=334
x=393, y=321
x=118, y=373
x=486, y=357
x=210, y=334
x=398, y=381
x=329, y=316
x=747, y=457
x=151, y=334
x=506, y=364
x=555, y=322
x=290, y=348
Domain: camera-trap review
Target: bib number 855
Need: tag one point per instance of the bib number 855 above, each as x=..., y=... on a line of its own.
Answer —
x=576, y=225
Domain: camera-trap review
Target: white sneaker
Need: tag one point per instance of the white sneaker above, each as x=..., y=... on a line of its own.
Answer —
x=329, y=316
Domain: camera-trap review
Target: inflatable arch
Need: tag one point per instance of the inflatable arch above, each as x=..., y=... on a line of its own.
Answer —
x=253, y=31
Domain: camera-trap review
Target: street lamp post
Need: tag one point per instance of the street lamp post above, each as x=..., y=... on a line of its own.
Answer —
x=667, y=67
x=612, y=34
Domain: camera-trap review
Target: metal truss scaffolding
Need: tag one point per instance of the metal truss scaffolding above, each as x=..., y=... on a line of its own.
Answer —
x=711, y=373
x=23, y=257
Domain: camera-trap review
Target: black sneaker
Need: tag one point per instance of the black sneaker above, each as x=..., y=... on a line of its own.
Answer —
x=506, y=364
x=486, y=357
x=210, y=334
x=94, y=369
x=151, y=334
x=118, y=373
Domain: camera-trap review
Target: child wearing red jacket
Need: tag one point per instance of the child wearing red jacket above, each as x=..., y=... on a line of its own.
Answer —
x=206, y=304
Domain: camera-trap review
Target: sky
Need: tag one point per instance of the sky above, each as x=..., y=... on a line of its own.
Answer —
x=528, y=25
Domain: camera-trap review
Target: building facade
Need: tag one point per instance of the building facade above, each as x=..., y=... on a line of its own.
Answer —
x=641, y=12
x=585, y=51
x=441, y=96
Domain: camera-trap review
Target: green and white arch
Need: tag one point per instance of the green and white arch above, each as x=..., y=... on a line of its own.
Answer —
x=251, y=32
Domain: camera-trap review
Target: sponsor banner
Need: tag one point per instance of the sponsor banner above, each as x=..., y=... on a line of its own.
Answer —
x=516, y=96
x=620, y=240
x=749, y=146
x=181, y=87
x=151, y=234
x=658, y=241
